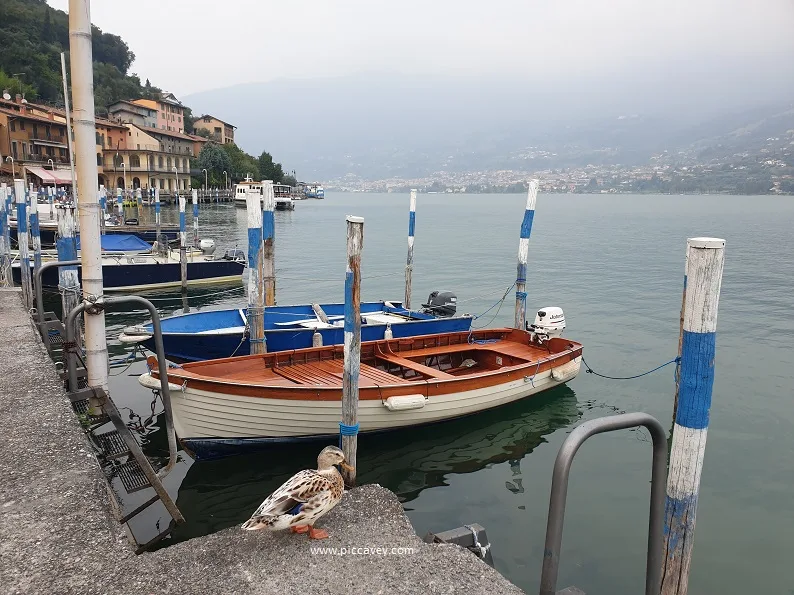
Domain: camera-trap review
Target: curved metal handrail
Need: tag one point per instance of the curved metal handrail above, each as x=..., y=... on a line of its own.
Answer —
x=559, y=493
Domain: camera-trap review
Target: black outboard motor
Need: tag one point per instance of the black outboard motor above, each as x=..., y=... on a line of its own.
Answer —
x=441, y=303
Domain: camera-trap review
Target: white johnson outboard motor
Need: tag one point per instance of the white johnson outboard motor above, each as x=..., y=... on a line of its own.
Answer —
x=207, y=246
x=442, y=304
x=549, y=323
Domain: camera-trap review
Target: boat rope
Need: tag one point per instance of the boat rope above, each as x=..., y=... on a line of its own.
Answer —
x=129, y=360
x=479, y=550
x=498, y=303
x=345, y=430
x=676, y=361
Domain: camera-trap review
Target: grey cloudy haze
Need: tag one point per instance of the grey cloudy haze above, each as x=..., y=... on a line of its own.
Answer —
x=187, y=46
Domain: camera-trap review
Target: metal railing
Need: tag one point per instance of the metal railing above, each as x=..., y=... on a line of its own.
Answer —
x=559, y=493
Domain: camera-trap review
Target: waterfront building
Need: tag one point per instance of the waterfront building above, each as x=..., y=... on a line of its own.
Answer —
x=219, y=131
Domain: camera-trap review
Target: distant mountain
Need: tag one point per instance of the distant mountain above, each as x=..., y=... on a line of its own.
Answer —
x=387, y=125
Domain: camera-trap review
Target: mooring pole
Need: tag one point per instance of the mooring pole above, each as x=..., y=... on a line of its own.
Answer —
x=51, y=201
x=523, y=252
x=182, y=243
x=22, y=240
x=102, y=205
x=160, y=247
x=68, y=280
x=35, y=232
x=87, y=204
x=6, y=280
x=9, y=206
x=409, y=265
x=352, y=349
x=256, y=286
x=120, y=203
x=704, y=265
x=268, y=239
x=195, y=219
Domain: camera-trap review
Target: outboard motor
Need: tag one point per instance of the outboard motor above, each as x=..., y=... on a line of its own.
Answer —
x=441, y=303
x=207, y=246
x=549, y=323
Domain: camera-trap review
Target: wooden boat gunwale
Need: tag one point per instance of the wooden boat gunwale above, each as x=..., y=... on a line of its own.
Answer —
x=560, y=351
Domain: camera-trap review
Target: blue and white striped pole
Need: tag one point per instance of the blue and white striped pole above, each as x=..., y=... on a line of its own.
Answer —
x=120, y=204
x=702, y=282
x=409, y=264
x=68, y=280
x=256, y=286
x=6, y=280
x=182, y=243
x=157, y=230
x=22, y=240
x=35, y=231
x=51, y=201
x=195, y=219
x=523, y=252
x=103, y=194
x=352, y=348
x=268, y=243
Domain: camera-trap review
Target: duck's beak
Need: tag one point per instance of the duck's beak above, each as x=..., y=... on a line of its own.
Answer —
x=346, y=467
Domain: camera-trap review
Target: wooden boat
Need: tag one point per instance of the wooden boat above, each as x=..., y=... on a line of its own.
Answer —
x=296, y=395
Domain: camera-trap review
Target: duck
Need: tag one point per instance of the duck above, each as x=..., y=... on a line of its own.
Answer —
x=304, y=498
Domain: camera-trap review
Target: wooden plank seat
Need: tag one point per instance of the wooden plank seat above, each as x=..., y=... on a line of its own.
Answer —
x=393, y=358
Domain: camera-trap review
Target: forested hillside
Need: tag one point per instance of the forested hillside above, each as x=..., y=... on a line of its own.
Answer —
x=32, y=36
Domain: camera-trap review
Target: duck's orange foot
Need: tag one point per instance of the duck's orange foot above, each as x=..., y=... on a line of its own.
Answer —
x=300, y=529
x=317, y=533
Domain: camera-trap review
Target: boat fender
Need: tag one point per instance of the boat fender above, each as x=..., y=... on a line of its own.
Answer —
x=125, y=338
x=405, y=402
x=148, y=381
x=566, y=371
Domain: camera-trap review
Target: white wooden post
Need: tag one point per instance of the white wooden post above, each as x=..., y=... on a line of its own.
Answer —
x=182, y=243
x=702, y=282
x=195, y=219
x=352, y=348
x=67, y=276
x=6, y=280
x=523, y=252
x=22, y=240
x=409, y=265
x=256, y=289
x=268, y=239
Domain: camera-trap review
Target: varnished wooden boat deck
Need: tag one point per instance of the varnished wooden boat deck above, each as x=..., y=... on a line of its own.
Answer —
x=328, y=372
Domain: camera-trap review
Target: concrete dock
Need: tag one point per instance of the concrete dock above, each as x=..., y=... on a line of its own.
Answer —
x=58, y=535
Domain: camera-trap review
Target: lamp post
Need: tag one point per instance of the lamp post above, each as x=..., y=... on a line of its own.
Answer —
x=176, y=176
x=16, y=75
x=124, y=173
x=206, y=184
x=13, y=171
x=52, y=164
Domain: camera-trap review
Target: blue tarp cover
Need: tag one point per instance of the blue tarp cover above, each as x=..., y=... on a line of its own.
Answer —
x=121, y=242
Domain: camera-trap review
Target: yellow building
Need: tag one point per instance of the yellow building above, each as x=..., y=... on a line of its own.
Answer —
x=220, y=131
x=170, y=112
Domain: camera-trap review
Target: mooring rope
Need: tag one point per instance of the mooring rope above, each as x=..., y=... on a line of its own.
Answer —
x=590, y=370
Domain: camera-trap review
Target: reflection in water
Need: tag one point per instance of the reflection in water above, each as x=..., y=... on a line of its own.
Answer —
x=221, y=493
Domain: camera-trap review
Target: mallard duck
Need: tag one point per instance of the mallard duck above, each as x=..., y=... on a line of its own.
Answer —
x=303, y=498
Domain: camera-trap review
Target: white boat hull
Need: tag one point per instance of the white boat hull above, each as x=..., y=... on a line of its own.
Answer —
x=202, y=415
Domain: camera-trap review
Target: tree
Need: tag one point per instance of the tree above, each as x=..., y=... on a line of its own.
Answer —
x=243, y=164
x=215, y=160
x=290, y=180
x=266, y=165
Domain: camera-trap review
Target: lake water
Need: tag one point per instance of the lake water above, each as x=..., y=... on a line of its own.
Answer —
x=614, y=263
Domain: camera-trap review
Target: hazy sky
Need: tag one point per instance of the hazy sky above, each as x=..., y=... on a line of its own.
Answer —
x=186, y=46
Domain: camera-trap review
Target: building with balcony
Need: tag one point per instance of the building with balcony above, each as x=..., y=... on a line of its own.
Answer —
x=170, y=112
x=219, y=131
x=127, y=112
x=149, y=158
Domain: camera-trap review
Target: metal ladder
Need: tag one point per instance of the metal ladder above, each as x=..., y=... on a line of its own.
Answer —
x=119, y=453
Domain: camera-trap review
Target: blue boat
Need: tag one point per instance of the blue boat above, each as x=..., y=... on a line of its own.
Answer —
x=129, y=265
x=223, y=333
